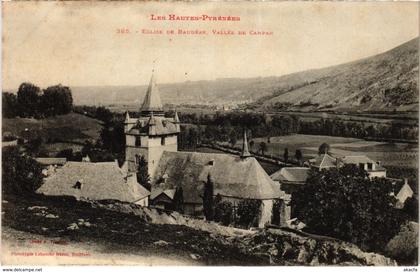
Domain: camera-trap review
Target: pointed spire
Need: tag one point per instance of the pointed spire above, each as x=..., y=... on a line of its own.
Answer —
x=152, y=102
x=176, y=118
x=245, y=152
x=127, y=117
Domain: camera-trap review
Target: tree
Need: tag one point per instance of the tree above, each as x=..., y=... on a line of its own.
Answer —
x=251, y=144
x=345, y=203
x=28, y=97
x=223, y=211
x=263, y=147
x=286, y=155
x=57, y=100
x=65, y=153
x=411, y=208
x=207, y=197
x=298, y=156
x=10, y=105
x=232, y=138
x=247, y=213
x=21, y=174
x=324, y=149
x=179, y=200
x=143, y=177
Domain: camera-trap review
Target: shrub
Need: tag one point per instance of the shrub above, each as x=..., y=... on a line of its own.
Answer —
x=223, y=212
x=247, y=213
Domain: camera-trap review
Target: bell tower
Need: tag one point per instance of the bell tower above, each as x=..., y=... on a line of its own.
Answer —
x=151, y=134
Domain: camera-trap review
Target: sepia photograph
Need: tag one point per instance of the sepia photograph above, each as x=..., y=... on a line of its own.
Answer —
x=210, y=133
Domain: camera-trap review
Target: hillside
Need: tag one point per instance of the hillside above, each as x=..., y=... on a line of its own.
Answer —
x=383, y=82
x=57, y=133
x=386, y=81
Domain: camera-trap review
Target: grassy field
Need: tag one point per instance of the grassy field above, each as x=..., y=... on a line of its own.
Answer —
x=60, y=132
x=392, y=154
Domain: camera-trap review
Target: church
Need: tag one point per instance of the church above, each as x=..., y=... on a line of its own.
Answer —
x=154, y=137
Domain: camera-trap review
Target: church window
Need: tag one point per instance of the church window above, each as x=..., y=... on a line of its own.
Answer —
x=138, y=141
x=162, y=141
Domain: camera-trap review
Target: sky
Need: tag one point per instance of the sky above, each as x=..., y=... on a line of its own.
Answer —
x=77, y=44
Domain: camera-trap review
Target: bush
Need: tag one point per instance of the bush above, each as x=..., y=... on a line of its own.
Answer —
x=20, y=174
x=223, y=212
x=247, y=213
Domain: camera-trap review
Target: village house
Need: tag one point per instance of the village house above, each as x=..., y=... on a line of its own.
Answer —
x=154, y=137
x=403, y=194
x=374, y=169
x=94, y=181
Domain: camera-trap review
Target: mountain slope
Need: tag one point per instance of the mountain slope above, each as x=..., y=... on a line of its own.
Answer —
x=386, y=81
x=383, y=82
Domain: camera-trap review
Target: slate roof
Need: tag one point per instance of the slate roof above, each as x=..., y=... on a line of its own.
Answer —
x=291, y=174
x=152, y=101
x=232, y=176
x=103, y=180
x=356, y=159
x=155, y=126
x=324, y=161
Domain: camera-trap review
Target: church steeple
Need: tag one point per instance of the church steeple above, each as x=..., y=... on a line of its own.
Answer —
x=152, y=102
x=176, y=118
x=245, y=152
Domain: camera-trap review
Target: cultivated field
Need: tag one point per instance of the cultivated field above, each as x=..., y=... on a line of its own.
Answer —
x=389, y=154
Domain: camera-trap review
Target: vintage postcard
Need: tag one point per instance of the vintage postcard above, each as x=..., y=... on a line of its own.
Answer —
x=210, y=133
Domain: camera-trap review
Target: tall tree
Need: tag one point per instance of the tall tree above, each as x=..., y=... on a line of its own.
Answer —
x=263, y=147
x=143, y=177
x=298, y=156
x=286, y=155
x=208, y=203
x=57, y=100
x=10, y=105
x=179, y=200
x=324, y=149
x=28, y=97
x=232, y=138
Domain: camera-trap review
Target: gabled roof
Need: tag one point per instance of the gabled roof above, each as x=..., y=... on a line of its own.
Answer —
x=232, y=176
x=291, y=174
x=103, y=180
x=170, y=193
x=152, y=101
x=324, y=161
x=404, y=193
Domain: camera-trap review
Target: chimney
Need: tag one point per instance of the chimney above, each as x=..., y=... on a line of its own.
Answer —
x=245, y=152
